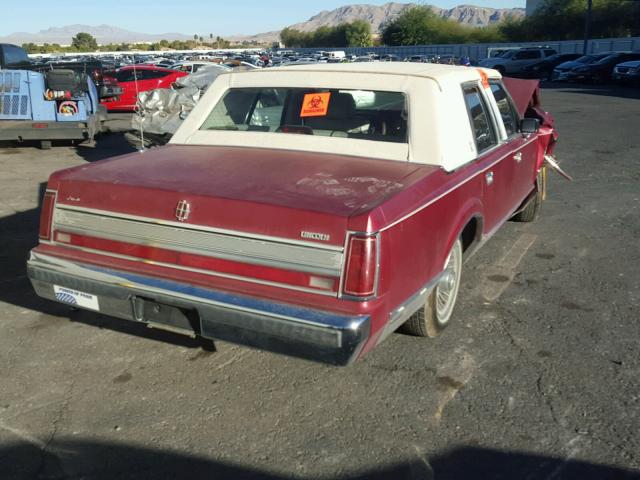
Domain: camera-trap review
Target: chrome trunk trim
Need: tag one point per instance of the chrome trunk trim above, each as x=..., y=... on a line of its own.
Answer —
x=203, y=228
x=198, y=270
x=179, y=237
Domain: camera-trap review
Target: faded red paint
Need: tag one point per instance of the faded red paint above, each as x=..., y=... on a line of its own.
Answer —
x=419, y=210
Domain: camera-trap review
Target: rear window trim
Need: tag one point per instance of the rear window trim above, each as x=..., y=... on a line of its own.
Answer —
x=489, y=111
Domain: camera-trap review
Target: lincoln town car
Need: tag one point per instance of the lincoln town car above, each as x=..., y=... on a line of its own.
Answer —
x=310, y=210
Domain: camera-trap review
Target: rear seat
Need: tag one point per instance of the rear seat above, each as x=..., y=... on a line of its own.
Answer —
x=343, y=120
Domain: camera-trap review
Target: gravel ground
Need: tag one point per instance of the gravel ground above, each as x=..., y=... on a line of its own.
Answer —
x=537, y=378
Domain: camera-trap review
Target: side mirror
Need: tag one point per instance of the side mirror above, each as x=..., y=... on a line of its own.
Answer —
x=529, y=125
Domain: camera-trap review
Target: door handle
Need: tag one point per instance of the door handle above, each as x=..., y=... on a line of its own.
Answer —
x=489, y=177
x=518, y=157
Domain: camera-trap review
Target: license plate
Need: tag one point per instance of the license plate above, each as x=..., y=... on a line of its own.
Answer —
x=77, y=298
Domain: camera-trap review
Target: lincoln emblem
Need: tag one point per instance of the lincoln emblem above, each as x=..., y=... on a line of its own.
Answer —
x=183, y=209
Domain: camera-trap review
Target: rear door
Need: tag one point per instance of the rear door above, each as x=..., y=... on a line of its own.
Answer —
x=522, y=152
x=495, y=168
x=148, y=79
x=127, y=80
x=153, y=79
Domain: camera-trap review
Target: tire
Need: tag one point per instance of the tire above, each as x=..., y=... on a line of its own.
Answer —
x=435, y=315
x=500, y=69
x=531, y=210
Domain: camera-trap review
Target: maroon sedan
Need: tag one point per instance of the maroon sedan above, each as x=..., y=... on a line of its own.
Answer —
x=134, y=79
x=310, y=210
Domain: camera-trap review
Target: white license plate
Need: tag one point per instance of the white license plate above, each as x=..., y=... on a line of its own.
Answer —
x=74, y=297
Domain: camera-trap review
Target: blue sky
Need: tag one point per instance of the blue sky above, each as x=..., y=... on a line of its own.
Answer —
x=186, y=16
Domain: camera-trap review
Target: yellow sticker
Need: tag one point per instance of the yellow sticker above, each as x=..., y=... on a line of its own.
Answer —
x=315, y=104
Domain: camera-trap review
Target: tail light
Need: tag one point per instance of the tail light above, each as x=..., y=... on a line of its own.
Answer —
x=46, y=215
x=361, y=266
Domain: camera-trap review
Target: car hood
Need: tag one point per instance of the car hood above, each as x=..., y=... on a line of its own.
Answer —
x=631, y=64
x=491, y=62
x=570, y=64
x=594, y=67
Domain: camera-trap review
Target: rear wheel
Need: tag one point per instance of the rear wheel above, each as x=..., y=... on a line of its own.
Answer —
x=434, y=316
x=531, y=210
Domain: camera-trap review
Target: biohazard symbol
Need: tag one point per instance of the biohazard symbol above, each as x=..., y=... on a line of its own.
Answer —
x=315, y=104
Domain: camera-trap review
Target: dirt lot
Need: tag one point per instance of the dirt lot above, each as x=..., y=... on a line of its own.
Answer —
x=537, y=378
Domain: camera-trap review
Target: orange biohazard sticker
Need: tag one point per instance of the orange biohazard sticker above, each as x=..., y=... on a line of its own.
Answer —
x=315, y=104
x=483, y=77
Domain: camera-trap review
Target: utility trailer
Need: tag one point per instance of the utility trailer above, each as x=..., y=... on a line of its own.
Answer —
x=58, y=104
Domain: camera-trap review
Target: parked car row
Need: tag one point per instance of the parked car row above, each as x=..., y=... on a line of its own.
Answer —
x=601, y=69
x=119, y=87
x=546, y=64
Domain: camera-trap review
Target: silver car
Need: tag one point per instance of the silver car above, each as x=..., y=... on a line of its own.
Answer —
x=512, y=62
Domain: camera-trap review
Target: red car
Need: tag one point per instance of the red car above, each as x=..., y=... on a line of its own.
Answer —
x=149, y=77
x=311, y=210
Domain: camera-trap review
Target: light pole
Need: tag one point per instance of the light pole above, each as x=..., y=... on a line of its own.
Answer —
x=587, y=27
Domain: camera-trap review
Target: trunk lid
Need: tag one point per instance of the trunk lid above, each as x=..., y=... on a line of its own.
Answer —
x=257, y=191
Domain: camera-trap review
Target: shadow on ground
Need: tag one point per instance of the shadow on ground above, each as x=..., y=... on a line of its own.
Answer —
x=105, y=146
x=18, y=235
x=90, y=460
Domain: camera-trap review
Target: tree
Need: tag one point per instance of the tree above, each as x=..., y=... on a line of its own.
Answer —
x=354, y=34
x=293, y=38
x=358, y=34
x=564, y=20
x=415, y=26
x=84, y=42
x=420, y=25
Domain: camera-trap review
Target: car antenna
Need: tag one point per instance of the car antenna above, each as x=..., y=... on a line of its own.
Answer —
x=135, y=81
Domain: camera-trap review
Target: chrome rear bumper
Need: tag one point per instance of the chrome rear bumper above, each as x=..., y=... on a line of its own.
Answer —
x=278, y=327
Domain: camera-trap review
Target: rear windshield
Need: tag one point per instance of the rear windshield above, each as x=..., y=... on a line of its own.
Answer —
x=361, y=114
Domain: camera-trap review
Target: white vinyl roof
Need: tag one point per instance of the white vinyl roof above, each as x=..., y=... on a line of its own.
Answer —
x=434, y=71
x=439, y=128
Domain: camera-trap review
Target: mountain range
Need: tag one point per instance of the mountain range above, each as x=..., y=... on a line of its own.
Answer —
x=102, y=33
x=376, y=15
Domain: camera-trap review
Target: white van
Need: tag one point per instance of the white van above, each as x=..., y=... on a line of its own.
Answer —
x=336, y=54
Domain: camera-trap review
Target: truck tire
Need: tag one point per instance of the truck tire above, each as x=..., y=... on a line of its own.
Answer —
x=531, y=210
x=434, y=316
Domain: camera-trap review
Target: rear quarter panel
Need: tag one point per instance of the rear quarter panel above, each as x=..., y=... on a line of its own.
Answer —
x=418, y=228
